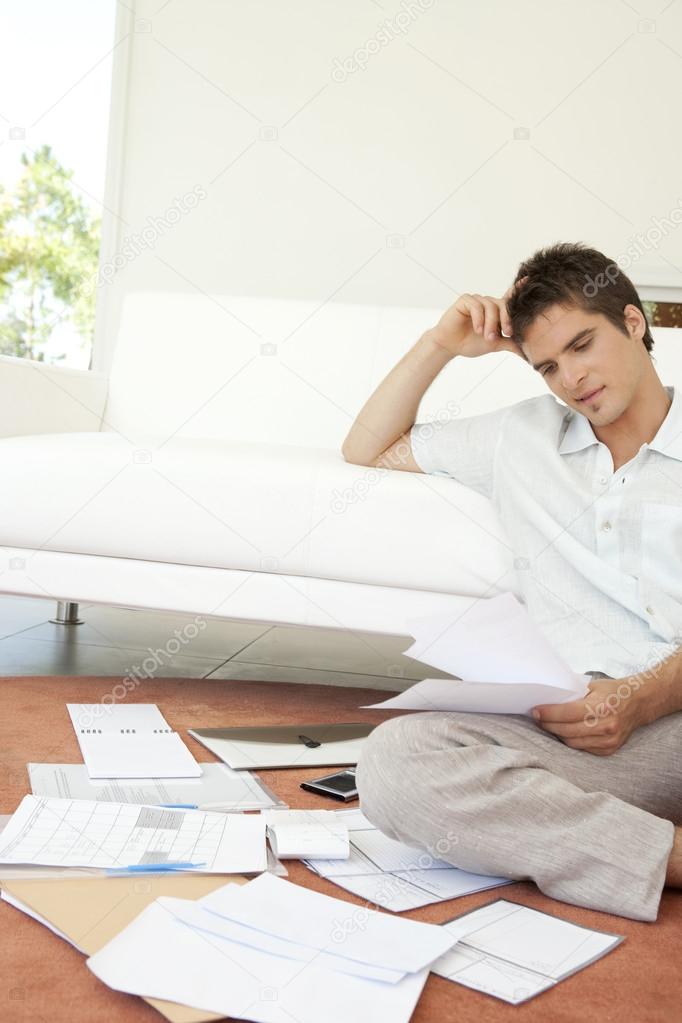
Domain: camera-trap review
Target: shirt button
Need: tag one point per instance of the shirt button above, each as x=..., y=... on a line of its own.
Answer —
x=603, y=479
x=606, y=526
x=649, y=609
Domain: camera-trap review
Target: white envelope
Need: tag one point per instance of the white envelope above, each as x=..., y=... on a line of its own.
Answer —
x=159, y=956
x=327, y=924
x=195, y=915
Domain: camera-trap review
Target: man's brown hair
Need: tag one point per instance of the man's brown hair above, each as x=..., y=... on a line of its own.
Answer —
x=571, y=274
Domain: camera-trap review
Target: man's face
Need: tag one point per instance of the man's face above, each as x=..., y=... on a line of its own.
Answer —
x=600, y=358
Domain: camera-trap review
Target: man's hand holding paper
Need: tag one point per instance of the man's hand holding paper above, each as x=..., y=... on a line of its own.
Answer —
x=601, y=721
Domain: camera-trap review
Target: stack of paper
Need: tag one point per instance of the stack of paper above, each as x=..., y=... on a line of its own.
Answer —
x=131, y=740
x=297, y=834
x=392, y=874
x=514, y=953
x=505, y=663
x=272, y=951
x=80, y=832
x=218, y=788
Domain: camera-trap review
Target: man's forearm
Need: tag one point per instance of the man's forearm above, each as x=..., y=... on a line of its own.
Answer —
x=392, y=408
x=659, y=689
x=474, y=325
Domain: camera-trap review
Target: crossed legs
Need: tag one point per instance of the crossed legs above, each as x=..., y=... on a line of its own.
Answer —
x=494, y=794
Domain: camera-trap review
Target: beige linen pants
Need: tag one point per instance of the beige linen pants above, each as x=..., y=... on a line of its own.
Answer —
x=494, y=794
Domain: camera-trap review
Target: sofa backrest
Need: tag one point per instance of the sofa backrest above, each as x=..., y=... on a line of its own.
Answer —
x=291, y=371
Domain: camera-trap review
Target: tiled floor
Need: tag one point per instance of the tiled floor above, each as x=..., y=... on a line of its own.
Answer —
x=117, y=641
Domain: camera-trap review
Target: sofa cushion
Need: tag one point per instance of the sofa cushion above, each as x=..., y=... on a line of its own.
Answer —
x=280, y=371
x=259, y=507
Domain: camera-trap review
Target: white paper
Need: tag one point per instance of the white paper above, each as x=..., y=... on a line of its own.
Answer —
x=130, y=740
x=495, y=640
x=318, y=921
x=218, y=788
x=354, y=819
x=298, y=834
x=373, y=852
x=478, y=697
x=514, y=953
x=413, y=889
x=80, y=832
x=504, y=662
x=158, y=956
x=394, y=875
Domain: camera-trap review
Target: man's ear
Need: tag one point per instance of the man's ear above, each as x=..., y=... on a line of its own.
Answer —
x=635, y=321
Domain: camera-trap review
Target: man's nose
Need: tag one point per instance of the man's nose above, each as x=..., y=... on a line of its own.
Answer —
x=571, y=378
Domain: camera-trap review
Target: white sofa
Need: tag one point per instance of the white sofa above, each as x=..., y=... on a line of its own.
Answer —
x=202, y=471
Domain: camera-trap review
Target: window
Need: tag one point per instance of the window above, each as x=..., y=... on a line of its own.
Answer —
x=55, y=77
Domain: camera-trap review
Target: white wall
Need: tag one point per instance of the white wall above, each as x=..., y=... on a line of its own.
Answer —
x=479, y=133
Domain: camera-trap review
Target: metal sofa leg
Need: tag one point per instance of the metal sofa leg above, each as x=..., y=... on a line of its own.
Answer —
x=67, y=613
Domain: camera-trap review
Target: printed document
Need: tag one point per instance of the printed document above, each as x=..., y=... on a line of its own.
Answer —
x=394, y=875
x=513, y=952
x=218, y=788
x=85, y=833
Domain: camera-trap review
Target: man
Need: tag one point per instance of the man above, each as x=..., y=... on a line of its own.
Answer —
x=582, y=798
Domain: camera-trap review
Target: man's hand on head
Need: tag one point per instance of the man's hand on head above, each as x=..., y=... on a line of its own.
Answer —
x=477, y=325
x=599, y=723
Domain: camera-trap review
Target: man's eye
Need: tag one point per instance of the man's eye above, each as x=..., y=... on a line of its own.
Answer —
x=578, y=348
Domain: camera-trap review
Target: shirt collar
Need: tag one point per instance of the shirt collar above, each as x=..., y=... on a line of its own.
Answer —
x=579, y=434
x=668, y=441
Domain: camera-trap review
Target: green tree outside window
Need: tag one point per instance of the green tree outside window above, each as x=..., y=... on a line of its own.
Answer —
x=49, y=246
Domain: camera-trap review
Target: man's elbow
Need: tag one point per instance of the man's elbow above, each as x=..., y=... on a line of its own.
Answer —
x=352, y=457
x=347, y=453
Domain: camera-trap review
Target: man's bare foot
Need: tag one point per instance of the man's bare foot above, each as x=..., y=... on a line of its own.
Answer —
x=673, y=877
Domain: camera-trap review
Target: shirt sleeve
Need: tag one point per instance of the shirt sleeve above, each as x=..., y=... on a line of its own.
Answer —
x=465, y=449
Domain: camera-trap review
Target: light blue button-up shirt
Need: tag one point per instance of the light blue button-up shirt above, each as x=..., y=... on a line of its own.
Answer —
x=598, y=552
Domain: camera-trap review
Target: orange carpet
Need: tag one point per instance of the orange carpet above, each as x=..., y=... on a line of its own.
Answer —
x=45, y=979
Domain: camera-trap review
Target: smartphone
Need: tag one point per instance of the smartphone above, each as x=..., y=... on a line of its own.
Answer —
x=336, y=786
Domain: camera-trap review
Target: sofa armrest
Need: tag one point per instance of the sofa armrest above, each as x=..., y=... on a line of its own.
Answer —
x=38, y=398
